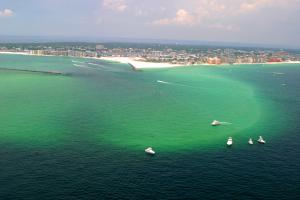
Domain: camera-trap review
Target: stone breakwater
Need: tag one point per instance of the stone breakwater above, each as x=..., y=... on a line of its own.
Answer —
x=34, y=71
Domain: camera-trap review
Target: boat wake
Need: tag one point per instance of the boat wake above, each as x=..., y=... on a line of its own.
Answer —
x=225, y=123
x=176, y=84
x=278, y=73
x=163, y=82
x=95, y=64
x=76, y=61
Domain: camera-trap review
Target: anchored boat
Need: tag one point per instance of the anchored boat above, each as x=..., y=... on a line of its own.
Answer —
x=150, y=151
x=250, y=141
x=261, y=140
x=229, y=141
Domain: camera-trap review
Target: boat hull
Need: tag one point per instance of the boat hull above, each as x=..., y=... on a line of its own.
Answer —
x=216, y=123
x=149, y=151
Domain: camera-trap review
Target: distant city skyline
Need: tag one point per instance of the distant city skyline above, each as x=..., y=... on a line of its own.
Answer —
x=273, y=22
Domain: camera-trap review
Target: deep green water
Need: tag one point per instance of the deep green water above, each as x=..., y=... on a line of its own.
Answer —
x=83, y=134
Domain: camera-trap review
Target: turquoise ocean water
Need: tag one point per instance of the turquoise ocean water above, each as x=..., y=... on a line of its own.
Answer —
x=82, y=134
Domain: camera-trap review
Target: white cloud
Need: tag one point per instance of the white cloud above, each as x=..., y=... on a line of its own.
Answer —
x=218, y=12
x=6, y=13
x=199, y=11
x=140, y=13
x=182, y=17
x=224, y=27
x=250, y=6
x=117, y=5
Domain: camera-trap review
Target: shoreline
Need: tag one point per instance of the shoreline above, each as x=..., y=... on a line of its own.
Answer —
x=21, y=53
x=138, y=63
x=15, y=53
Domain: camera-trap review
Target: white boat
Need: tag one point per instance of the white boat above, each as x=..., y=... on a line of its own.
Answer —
x=261, y=140
x=215, y=123
x=250, y=141
x=149, y=150
x=229, y=141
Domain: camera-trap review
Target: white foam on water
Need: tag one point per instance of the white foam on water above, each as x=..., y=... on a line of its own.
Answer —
x=76, y=61
x=163, y=82
x=225, y=123
x=176, y=84
x=278, y=73
x=95, y=64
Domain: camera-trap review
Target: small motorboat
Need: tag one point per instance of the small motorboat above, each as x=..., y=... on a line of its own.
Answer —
x=215, y=123
x=229, y=141
x=150, y=151
x=250, y=141
x=261, y=140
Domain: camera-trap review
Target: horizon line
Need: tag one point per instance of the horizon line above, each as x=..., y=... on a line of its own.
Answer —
x=104, y=39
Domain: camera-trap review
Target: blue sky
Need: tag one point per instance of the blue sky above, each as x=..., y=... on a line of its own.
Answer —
x=244, y=21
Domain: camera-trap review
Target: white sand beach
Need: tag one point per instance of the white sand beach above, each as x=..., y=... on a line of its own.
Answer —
x=14, y=53
x=138, y=63
x=21, y=53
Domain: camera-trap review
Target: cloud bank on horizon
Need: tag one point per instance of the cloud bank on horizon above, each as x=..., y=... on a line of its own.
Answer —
x=6, y=13
x=251, y=21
